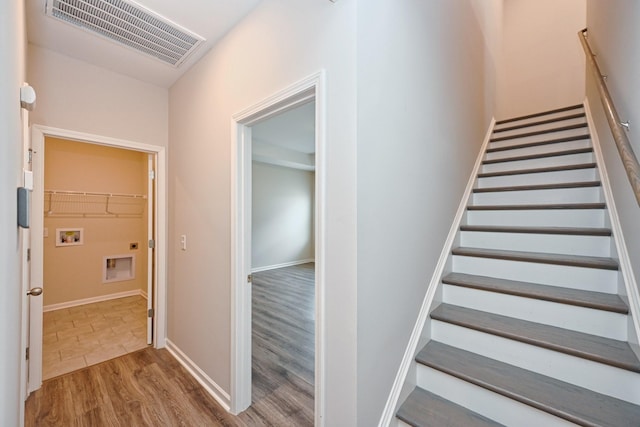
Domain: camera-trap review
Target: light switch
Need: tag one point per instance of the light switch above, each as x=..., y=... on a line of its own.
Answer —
x=183, y=242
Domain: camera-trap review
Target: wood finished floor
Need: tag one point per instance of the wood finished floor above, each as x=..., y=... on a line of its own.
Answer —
x=150, y=388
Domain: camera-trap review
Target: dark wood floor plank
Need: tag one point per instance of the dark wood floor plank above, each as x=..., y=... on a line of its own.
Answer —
x=570, y=231
x=540, y=114
x=539, y=122
x=589, y=299
x=542, y=206
x=564, y=400
x=425, y=409
x=561, y=168
x=538, y=156
x=540, y=132
x=539, y=257
x=598, y=349
x=533, y=187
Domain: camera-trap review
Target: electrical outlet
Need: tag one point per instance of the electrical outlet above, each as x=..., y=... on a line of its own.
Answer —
x=133, y=246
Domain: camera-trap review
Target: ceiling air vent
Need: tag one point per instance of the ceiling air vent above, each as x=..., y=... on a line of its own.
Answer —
x=129, y=24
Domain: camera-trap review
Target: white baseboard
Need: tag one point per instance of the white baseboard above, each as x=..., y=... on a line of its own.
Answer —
x=68, y=304
x=284, y=264
x=221, y=396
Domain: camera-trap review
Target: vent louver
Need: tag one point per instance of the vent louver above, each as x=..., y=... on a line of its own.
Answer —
x=130, y=25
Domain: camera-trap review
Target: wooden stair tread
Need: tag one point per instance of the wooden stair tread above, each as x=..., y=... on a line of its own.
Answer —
x=540, y=114
x=591, y=347
x=538, y=170
x=572, y=231
x=589, y=299
x=540, y=132
x=553, y=206
x=425, y=409
x=541, y=122
x=564, y=400
x=539, y=143
x=553, y=186
x=539, y=257
x=539, y=156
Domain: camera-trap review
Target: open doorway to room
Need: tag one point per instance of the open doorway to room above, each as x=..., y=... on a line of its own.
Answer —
x=278, y=257
x=97, y=267
x=283, y=263
x=99, y=217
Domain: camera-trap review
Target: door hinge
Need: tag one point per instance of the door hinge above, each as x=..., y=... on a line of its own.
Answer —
x=150, y=312
x=249, y=278
x=29, y=254
x=26, y=356
x=152, y=174
x=30, y=156
x=152, y=244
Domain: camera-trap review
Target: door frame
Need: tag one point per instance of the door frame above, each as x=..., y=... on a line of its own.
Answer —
x=311, y=88
x=38, y=135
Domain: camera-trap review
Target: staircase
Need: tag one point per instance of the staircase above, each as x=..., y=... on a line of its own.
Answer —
x=530, y=327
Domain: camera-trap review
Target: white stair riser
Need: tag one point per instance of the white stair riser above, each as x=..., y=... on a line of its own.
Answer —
x=560, y=195
x=546, y=243
x=539, y=149
x=540, y=118
x=601, y=378
x=581, y=319
x=570, y=159
x=538, y=218
x=590, y=279
x=535, y=128
x=573, y=175
x=535, y=138
x=484, y=402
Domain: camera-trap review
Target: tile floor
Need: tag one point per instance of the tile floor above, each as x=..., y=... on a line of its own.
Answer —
x=84, y=335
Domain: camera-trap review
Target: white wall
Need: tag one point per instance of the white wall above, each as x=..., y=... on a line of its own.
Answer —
x=282, y=215
x=613, y=36
x=542, y=58
x=421, y=121
x=279, y=43
x=12, y=75
x=75, y=95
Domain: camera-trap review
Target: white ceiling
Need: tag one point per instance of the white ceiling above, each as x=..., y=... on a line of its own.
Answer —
x=287, y=139
x=210, y=19
x=292, y=130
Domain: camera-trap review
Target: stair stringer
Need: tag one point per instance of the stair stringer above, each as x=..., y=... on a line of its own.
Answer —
x=628, y=286
x=401, y=387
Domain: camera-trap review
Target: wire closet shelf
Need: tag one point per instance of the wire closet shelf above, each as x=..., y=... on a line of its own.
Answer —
x=81, y=204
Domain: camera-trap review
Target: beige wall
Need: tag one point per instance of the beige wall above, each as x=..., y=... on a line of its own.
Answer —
x=75, y=272
x=542, y=60
x=278, y=44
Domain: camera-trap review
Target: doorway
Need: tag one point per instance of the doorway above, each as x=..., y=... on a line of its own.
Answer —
x=115, y=266
x=304, y=92
x=283, y=265
x=98, y=270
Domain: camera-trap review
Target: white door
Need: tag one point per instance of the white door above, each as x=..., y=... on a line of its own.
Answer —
x=150, y=248
x=36, y=269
